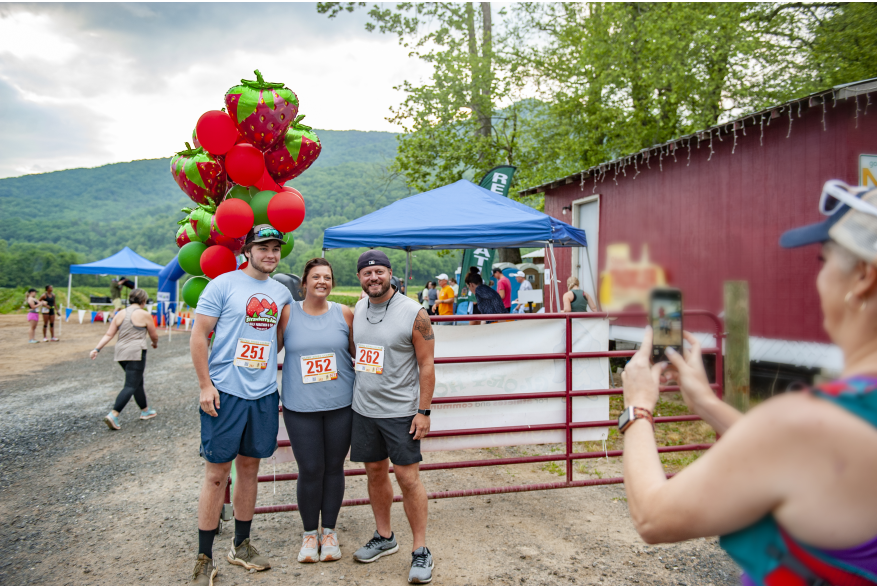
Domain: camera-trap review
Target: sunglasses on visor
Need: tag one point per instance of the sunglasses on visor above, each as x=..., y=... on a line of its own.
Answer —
x=836, y=193
x=269, y=232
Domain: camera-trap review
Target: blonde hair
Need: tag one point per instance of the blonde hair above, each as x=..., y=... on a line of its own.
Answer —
x=572, y=282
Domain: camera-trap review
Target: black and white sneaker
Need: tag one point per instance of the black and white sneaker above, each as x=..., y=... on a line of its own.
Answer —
x=376, y=548
x=421, y=566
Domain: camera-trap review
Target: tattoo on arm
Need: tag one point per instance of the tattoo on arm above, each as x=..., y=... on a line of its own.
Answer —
x=424, y=326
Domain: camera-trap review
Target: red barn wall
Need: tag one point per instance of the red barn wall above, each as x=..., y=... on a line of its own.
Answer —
x=711, y=220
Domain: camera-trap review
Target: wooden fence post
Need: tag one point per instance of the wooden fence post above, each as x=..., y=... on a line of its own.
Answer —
x=737, y=344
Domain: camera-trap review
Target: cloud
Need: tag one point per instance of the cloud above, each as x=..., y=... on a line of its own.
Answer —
x=131, y=80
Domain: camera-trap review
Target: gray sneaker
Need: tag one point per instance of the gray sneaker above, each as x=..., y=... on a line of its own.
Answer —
x=421, y=566
x=376, y=548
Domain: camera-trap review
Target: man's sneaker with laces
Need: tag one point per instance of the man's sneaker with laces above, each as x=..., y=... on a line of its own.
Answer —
x=147, y=414
x=329, y=549
x=310, y=545
x=376, y=548
x=205, y=570
x=247, y=556
x=112, y=422
x=421, y=566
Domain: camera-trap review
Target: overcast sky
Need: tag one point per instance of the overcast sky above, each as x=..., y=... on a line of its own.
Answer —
x=82, y=85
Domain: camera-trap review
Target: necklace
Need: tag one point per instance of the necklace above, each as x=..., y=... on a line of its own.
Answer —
x=368, y=307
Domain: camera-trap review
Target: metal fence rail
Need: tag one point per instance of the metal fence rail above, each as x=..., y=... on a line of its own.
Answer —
x=569, y=456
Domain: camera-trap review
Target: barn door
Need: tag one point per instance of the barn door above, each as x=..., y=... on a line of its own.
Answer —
x=587, y=217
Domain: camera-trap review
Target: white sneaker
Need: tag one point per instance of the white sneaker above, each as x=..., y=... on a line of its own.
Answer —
x=310, y=545
x=329, y=549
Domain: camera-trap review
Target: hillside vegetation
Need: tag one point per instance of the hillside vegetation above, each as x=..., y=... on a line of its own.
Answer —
x=51, y=220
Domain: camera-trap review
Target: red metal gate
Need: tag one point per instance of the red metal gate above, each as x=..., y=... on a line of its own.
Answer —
x=569, y=456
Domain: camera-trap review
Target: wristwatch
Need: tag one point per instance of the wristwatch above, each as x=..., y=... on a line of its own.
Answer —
x=97, y=350
x=630, y=414
x=424, y=412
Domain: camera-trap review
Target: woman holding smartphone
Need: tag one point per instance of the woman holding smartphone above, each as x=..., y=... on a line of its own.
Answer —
x=317, y=394
x=789, y=486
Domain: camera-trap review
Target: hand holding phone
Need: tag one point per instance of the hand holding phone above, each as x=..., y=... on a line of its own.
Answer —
x=665, y=318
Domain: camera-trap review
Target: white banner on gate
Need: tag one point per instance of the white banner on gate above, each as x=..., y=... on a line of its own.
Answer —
x=523, y=337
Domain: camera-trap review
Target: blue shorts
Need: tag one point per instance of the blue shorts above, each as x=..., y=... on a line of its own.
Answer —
x=242, y=427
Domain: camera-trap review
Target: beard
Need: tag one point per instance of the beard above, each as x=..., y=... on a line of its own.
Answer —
x=258, y=266
x=385, y=287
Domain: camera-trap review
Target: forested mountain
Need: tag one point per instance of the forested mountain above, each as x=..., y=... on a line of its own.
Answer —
x=50, y=220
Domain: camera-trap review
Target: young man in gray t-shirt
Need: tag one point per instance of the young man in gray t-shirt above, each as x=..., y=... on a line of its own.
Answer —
x=395, y=380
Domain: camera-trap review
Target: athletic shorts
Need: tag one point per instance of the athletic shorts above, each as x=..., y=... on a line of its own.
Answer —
x=242, y=427
x=33, y=316
x=375, y=439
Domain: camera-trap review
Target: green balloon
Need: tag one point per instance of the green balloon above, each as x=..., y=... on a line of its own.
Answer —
x=259, y=204
x=189, y=258
x=192, y=290
x=287, y=248
x=239, y=192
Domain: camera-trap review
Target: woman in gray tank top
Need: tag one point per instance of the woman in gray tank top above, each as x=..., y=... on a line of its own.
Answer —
x=133, y=324
x=316, y=391
x=576, y=300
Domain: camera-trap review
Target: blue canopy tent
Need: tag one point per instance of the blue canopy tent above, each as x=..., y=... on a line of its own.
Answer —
x=461, y=215
x=125, y=262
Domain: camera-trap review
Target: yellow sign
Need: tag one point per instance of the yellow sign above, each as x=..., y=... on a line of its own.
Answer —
x=868, y=170
x=626, y=282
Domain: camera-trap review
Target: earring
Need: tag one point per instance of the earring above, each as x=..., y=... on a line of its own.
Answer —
x=847, y=297
x=864, y=303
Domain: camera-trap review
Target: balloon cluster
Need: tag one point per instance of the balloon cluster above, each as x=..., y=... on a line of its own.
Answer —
x=235, y=175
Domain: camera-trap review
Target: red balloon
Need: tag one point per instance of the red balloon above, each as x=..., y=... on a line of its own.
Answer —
x=286, y=211
x=216, y=132
x=245, y=164
x=267, y=183
x=234, y=218
x=244, y=265
x=292, y=190
x=217, y=260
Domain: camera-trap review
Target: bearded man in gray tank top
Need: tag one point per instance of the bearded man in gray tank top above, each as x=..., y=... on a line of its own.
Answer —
x=395, y=380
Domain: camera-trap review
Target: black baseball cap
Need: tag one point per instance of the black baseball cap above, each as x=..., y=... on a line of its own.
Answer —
x=372, y=257
x=262, y=233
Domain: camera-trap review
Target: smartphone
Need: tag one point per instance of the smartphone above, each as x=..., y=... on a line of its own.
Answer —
x=665, y=318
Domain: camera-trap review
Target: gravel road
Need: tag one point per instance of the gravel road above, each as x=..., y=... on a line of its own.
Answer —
x=84, y=505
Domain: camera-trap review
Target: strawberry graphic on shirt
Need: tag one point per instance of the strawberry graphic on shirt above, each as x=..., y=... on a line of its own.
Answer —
x=261, y=312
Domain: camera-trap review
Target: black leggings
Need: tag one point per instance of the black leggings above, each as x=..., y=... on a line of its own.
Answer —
x=320, y=441
x=133, y=383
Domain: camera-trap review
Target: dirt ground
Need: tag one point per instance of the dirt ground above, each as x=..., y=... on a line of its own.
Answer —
x=83, y=505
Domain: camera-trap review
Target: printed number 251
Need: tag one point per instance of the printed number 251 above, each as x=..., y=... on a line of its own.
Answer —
x=253, y=352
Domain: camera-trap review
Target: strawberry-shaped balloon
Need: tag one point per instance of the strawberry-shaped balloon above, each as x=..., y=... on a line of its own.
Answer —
x=261, y=110
x=186, y=234
x=217, y=238
x=199, y=174
x=199, y=218
x=290, y=157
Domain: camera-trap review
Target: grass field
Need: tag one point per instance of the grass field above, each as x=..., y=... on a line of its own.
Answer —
x=12, y=298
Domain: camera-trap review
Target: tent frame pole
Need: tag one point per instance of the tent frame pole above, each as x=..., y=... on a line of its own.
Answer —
x=407, y=268
x=554, y=280
x=69, y=287
x=324, y=253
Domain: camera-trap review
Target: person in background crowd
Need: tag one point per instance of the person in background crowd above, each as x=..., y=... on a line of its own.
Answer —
x=576, y=300
x=238, y=394
x=33, y=312
x=454, y=286
x=504, y=289
x=424, y=297
x=133, y=325
x=432, y=294
x=317, y=393
x=789, y=486
x=49, y=312
x=395, y=381
x=116, y=286
x=445, y=301
x=524, y=286
x=489, y=301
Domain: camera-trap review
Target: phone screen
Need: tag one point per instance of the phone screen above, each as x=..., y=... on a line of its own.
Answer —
x=665, y=318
